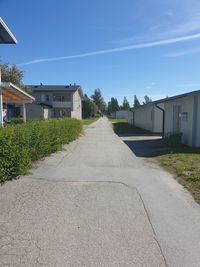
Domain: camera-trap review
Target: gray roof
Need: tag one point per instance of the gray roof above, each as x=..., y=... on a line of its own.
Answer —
x=193, y=93
x=36, y=88
x=6, y=36
x=56, y=88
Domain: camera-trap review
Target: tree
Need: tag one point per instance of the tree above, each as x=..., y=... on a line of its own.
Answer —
x=89, y=108
x=13, y=74
x=125, y=104
x=99, y=100
x=113, y=105
x=136, y=102
x=147, y=99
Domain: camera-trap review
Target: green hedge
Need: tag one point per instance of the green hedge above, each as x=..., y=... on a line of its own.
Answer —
x=23, y=143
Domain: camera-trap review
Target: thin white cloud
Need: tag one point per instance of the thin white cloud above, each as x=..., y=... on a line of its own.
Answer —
x=188, y=85
x=184, y=52
x=118, y=49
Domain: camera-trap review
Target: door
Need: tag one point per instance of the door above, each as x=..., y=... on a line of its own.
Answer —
x=177, y=119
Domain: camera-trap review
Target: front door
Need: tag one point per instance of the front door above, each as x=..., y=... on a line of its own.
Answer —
x=177, y=119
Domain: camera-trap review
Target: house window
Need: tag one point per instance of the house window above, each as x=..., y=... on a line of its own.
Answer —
x=61, y=97
x=44, y=98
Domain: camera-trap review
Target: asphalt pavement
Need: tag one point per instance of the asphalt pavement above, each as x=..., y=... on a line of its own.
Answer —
x=96, y=204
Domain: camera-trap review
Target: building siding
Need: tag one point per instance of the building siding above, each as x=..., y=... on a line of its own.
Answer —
x=148, y=117
x=186, y=127
x=76, y=106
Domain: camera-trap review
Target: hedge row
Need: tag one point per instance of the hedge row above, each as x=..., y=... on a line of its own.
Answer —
x=23, y=143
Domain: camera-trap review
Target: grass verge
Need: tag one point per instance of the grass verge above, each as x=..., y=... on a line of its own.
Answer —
x=88, y=121
x=185, y=163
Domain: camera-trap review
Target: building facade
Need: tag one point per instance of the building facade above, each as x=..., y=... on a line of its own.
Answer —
x=182, y=114
x=63, y=101
x=148, y=117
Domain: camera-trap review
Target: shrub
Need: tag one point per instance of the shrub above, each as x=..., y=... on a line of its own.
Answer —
x=16, y=120
x=21, y=144
x=173, y=139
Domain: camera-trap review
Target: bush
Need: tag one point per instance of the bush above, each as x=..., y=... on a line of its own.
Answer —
x=21, y=144
x=16, y=121
x=173, y=139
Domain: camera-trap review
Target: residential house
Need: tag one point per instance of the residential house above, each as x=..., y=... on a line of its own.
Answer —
x=6, y=37
x=61, y=100
x=14, y=96
x=148, y=117
x=182, y=114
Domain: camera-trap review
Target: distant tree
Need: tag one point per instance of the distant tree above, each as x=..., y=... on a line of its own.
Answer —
x=113, y=105
x=99, y=100
x=125, y=104
x=147, y=99
x=14, y=75
x=136, y=102
x=89, y=108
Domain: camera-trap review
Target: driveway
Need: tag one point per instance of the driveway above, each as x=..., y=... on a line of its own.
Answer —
x=96, y=204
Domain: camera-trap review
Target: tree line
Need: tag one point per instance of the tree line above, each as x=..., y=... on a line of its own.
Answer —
x=95, y=105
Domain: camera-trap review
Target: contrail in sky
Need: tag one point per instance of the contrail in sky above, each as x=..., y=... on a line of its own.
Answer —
x=115, y=50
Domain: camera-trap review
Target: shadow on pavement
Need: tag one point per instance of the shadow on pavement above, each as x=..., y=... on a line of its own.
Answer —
x=146, y=146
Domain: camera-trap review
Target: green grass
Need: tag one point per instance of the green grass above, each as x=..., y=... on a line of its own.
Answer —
x=117, y=120
x=121, y=126
x=89, y=121
x=185, y=163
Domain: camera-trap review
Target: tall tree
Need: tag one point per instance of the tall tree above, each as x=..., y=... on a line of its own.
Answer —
x=147, y=99
x=99, y=100
x=125, y=104
x=13, y=74
x=89, y=108
x=113, y=105
x=136, y=102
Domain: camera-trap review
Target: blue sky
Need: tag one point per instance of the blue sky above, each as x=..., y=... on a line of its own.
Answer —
x=123, y=47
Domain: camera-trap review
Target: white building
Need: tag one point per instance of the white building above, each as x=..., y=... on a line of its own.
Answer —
x=182, y=114
x=123, y=114
x=148, y=117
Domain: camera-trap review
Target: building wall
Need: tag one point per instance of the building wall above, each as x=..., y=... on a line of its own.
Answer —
x=158, y=119
x=143, y=117
x=186, y=124
x=57, y=104
x=76, y=106
x=123, y=114
x=33, y=111
x=148, y=117
x=197, y=141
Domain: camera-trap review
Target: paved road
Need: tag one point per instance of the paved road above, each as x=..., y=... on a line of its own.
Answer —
x=96, y=204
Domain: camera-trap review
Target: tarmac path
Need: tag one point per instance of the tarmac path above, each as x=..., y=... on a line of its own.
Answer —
x=96, y=204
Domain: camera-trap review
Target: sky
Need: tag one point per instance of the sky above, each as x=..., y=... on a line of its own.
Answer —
x=123, y=47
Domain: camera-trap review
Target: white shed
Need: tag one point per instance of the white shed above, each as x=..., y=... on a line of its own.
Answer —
x=148, y=117
x=124, y=114
x=182, y=114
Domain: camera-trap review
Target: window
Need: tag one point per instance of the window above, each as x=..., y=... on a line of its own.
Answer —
x=61, y=97
x=44, y=98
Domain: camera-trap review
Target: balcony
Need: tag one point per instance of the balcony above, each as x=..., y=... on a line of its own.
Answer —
x=62, y=104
